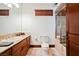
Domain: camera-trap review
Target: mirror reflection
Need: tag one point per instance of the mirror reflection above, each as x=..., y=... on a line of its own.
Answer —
x=61, y=26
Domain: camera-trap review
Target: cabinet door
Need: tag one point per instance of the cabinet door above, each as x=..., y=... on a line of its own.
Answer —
x=72, y=29
x=16, y=50
x=24, y=48
x=26, y=45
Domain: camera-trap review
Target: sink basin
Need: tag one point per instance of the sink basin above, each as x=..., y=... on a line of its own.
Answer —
x=7, y=42
x=3, y=44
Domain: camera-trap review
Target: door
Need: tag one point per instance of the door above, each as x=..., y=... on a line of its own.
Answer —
x=72, y=29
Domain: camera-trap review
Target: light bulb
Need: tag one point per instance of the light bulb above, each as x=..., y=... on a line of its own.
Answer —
x=9, y=5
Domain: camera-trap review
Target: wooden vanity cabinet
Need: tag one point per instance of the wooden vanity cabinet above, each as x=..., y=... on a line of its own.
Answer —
x=19, y=49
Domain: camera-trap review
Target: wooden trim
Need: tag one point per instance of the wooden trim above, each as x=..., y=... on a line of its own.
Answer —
x=51, y=45
x=36, y=46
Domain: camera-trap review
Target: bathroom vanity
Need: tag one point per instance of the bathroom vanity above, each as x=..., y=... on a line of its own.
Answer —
x=19, y=47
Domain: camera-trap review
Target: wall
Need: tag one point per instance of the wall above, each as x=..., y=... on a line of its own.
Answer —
x=37, y=25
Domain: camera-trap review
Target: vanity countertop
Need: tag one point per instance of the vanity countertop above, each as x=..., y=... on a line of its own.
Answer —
x=15, y=40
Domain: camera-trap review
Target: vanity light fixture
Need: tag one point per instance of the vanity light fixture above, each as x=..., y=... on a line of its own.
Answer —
x=10, y=5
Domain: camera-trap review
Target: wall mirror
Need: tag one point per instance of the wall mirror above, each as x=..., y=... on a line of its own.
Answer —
x=10, y=18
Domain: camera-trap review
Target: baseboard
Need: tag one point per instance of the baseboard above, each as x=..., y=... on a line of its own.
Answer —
x=35, y=46
x=51, y=45
x=40, y=46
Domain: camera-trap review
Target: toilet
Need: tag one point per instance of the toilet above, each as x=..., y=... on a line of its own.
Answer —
x=44, y=44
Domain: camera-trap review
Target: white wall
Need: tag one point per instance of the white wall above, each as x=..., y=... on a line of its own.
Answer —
x=38, y=25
